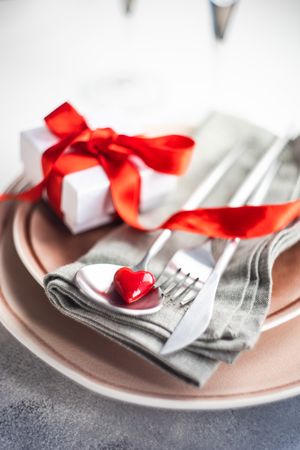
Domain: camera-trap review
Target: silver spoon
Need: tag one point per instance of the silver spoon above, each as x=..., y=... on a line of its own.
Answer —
x=96, y=280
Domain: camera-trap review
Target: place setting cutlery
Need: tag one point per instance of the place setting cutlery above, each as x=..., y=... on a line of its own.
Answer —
x=196, y=319
x=192, y=275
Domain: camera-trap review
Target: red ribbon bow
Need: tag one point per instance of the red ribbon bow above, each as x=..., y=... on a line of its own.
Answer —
x=166, y=154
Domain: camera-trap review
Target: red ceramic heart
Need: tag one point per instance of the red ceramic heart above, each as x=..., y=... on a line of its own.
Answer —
x=132, y=286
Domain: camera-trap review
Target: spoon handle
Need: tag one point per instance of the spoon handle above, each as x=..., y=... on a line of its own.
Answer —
x=202, y=191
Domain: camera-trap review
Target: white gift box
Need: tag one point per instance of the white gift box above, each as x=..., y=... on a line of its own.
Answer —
x=85, y=198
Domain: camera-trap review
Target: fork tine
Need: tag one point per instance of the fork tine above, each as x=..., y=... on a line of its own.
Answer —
x=169, y=280
x=178, y=285
x=188, y=288
x=187, y=299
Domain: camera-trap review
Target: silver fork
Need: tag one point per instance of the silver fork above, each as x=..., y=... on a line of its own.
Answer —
x=193, y=324
x=199, y=262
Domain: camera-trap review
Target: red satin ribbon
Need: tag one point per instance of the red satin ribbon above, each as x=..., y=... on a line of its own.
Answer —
x=166, y=154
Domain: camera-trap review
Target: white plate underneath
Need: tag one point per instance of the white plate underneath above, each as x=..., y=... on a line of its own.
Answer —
x=269, y=372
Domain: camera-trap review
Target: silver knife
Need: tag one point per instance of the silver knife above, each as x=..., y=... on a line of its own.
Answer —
x=196, y=319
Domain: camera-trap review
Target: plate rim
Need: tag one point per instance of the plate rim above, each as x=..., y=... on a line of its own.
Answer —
x=277, y=394
x=242, y=400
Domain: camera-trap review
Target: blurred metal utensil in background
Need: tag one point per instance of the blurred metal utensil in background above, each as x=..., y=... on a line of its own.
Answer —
x=128, y=6
x=221, y=11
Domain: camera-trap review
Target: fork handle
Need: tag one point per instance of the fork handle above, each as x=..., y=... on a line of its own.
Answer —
x=156, y=246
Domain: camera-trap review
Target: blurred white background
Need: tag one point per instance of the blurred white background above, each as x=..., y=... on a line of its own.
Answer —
x=57, y=50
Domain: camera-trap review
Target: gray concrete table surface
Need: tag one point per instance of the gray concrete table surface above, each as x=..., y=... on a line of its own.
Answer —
x=42, y=409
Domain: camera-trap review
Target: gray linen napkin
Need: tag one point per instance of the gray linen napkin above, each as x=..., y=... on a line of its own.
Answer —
x=244, y=292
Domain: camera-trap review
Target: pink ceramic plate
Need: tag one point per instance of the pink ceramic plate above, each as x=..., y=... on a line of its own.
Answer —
x=270, y=372
x=44, y=244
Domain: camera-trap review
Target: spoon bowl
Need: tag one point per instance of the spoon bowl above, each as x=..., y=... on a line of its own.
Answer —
x=96, y=281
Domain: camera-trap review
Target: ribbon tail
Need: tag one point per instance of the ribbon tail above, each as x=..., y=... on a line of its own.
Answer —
x=244, y=222
x=125, y=186
x=30, y=195
x=49, y=158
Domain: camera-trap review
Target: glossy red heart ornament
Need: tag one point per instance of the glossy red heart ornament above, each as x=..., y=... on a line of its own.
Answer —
x=132, y=286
